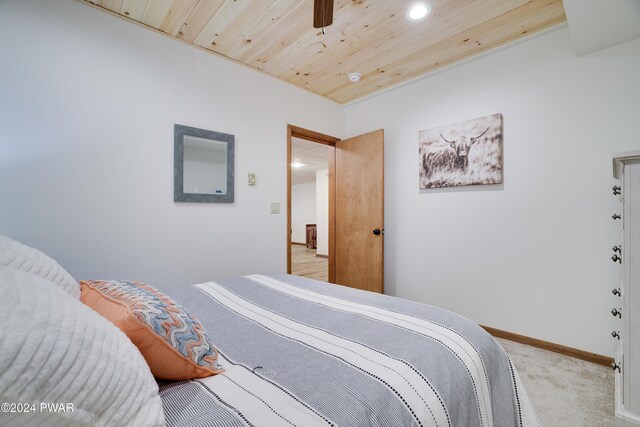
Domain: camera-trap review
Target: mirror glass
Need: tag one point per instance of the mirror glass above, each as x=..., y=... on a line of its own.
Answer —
x=203, y=166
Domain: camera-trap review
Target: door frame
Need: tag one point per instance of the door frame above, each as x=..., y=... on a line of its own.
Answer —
x=320, y=138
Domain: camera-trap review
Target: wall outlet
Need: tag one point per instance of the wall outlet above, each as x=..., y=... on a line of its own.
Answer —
x=275, y=207
x=252, y=178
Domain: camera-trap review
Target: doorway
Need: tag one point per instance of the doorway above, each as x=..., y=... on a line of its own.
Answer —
x=309, y=188
x=355, y=240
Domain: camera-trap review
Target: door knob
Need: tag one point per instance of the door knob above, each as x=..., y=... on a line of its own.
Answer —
x=615, y=366
x=615, y=334
x=617, y=249
x=616, y=258
x=617, y=312
x=616, y=190
x=616, y=291
x=616, y=216
x=377, y=232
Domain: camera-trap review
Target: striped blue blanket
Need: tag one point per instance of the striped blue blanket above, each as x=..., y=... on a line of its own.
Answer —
x=299, y=352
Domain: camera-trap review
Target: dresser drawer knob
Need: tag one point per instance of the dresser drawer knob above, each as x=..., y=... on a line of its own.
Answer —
x=616, y=258
x=615, y=366
x=615, y=334
x=616, y=216
x=616, y=291
x=617, y=312
x=616, y=190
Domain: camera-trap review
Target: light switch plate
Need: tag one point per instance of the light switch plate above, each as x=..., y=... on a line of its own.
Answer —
x=275, y=207
x=252, y=178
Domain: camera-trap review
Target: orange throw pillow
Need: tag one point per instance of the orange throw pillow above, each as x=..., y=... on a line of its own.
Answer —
x=174, y=344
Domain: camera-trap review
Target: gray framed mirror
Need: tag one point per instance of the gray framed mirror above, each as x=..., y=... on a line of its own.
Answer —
x=203, y=165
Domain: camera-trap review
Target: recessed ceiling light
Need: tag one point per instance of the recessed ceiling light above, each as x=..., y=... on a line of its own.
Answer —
x=298, y=165
x=419, y=11
x=355, y=76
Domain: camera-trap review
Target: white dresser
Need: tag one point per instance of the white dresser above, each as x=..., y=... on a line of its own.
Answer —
x=626, y=169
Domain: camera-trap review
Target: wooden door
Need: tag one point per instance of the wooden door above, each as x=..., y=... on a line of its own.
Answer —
x=359, y=212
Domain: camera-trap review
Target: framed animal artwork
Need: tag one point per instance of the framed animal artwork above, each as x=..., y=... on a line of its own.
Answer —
x=466, y=153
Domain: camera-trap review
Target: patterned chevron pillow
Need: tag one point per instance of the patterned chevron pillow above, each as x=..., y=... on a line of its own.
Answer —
x=174, y=344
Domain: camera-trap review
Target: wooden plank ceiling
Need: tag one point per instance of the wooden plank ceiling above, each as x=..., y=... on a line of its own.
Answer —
x=372, y=37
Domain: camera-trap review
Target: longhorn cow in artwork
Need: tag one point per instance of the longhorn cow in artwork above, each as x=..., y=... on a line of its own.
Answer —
x=470, y=153
x=462, y=145
x=439, y=158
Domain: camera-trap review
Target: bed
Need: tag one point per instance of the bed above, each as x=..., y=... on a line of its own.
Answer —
x=299, y=352
x=259, y=350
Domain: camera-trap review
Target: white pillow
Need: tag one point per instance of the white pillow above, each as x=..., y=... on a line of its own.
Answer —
x=56, y=350
x=23, y=258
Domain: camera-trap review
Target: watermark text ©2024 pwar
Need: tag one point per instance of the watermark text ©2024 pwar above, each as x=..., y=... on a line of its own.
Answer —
x=19, y=408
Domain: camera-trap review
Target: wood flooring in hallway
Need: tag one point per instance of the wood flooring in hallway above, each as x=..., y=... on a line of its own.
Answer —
x=304, y=262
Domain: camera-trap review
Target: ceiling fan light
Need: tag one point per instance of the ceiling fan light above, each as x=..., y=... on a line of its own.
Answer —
x=419, y=11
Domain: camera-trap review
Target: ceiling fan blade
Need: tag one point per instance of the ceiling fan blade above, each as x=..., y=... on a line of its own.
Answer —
x=322, y=13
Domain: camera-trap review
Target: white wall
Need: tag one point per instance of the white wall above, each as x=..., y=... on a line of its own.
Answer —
x=530, y=256
x=303, y=210
x=322, y=211
x=87, y=108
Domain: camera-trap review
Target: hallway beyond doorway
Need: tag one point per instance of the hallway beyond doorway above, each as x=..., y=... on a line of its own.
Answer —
x=304, y=262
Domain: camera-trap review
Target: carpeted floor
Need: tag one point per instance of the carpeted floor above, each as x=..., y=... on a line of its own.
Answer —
x=564, y=391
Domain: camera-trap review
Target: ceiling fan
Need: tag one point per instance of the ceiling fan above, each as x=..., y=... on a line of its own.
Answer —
x=322, y=13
